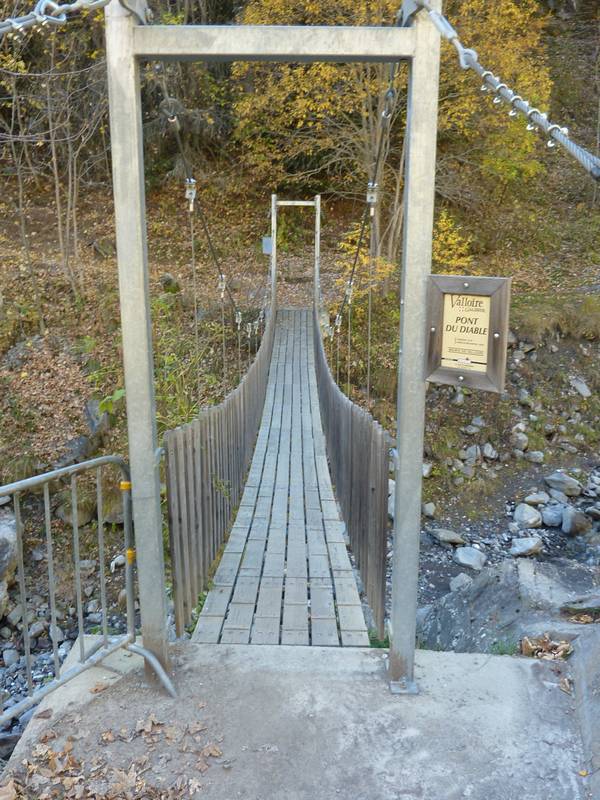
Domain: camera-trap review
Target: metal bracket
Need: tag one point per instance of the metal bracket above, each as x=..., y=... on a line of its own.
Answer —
x=404, y=687
x=140, y=10
x=407, y=12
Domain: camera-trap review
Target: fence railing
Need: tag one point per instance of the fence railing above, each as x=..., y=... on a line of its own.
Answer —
x=107, y=643
x=358, y=452
x=207, y=461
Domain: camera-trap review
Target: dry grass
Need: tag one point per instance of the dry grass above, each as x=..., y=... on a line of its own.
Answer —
x=537, y=317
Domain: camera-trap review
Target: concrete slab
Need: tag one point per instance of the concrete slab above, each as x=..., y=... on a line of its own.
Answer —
x=315, y=723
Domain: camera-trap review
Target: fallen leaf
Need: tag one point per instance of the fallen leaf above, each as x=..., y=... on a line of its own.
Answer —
x=202, y=766
x=584, y=773
x=565, y=685
x=212, y=750
x=108, y=737
x=45, y=714
x=47, y=736
x=8, y=791
x=98, y=687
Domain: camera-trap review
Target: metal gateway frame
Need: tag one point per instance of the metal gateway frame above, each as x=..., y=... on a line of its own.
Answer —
x=127, y=43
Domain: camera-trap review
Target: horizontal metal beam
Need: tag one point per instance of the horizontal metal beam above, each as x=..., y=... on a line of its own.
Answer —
x=295, y=202
x=295, y=43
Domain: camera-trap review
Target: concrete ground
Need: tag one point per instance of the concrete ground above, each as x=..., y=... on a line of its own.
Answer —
x=305, y=723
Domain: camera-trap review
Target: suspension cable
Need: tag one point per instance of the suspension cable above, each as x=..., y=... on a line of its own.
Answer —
x=536, y=120
x=46, y=13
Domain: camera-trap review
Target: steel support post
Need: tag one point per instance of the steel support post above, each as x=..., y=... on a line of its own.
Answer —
x=273, y=249
x=317, y=287
x=416, y=266
x=129, y=198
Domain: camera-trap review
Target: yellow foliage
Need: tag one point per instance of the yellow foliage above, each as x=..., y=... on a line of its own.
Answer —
x=451, y=248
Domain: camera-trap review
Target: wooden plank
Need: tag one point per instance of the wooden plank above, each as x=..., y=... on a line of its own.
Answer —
x=355, y=639
x=324, y=633
x=217, y=601
x=174, y=534
x=346, y=592
x=296, y=591
x=351, y=618
x=269, y=598
x=246, y=589
x=207, y=630
x=239, y=616
x=273, y=565
x=235, y=636
x=294, y=637
x=322, y=604
x=265, y=630
x=227, y=569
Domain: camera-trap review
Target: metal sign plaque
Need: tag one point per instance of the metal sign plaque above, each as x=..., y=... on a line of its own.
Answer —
x=468, y=331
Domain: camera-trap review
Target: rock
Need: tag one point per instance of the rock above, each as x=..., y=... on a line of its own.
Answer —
x=589, y=604
x=537, y=499
x=564, y=483
x=534, y=456
x=92, y=607
x=552, y=516
x=514, y=528
x=8, y=742
x=459, y=398
x=428, y=510
x=460, y=581
x=489, y=453
x=446, y=536
x=575, y=522
x=14, y=616
x=470, y=557
x=86, y=511
x=560, y=497
x=427, y=469
x=57, y=635
x=75, y=451
x=479, y=422
x=525, y=399
x=519, y=597
x=518, y=355
x=5, y=632
x=8, y=549
x=580, y=386
x=122, y=599
x=467, y=470
x=118, y=561
x=38, y=628
x=87, y=567
x=473, y=454
x=113, y=508
x=169, y=283
x=471, y=430
x=526, y=516
x=527, y=546
x=10, y=657
x=98, y=421
x=593, y=512
x=519, y=440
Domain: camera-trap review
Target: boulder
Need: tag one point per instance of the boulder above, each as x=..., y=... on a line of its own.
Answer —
x=460, y=581
x=489, y=453
x=527, y=516
x=575, y=522
x=519, y=440
x=535, y=456
x=470, y=557
x=552, y=515
x=446, y=536
x=428, y=510
x=537, y=499
x=564, y=483
x=519, y=597
x=8, y=549
x=580, y=386
x=427, y=469
x=527, y=546
x=86, y=510
x=75, y=451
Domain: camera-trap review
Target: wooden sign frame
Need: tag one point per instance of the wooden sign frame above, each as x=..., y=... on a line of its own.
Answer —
x=479, y=364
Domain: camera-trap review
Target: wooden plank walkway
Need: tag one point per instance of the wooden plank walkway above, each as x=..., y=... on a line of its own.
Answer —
x=285, y=576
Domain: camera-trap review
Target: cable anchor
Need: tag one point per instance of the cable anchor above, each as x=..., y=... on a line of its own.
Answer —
x=190, y=193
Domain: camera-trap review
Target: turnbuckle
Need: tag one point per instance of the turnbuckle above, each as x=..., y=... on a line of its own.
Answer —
x=190, y=193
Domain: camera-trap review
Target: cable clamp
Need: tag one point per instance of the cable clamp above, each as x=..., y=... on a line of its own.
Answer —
x=221, y=286
x=498, y=98
x=190, y=193
x=238, y=319
x=486, y=74
x=551, y=142
x=465, y=55
x=248, y=329
x=514, y=99
x=338, y=322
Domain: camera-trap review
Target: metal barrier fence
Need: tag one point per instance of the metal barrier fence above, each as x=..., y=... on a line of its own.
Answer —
x=107, y=643
x=358, y=451
x=207, y=461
